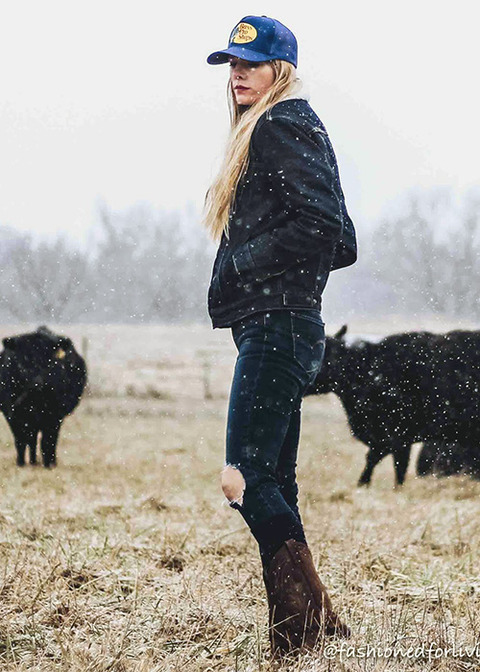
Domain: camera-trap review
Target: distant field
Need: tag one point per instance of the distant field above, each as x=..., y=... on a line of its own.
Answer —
x=126, y=557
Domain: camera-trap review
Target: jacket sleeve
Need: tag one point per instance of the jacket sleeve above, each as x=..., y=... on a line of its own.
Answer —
x=303, y=175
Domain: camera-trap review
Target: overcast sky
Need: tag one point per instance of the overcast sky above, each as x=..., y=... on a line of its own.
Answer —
x=114, y=102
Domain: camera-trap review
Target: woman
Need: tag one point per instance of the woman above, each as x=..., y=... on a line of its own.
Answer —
x=278, y=209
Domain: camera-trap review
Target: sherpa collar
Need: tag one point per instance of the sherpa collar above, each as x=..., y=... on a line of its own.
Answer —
x=300, y=92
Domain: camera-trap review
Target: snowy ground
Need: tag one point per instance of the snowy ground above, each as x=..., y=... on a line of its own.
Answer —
x=126, y=558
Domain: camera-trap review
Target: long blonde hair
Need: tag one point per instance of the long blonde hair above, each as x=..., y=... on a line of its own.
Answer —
x=221, y=194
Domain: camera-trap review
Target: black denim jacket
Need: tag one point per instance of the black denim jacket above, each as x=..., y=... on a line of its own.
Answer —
x=289, y=226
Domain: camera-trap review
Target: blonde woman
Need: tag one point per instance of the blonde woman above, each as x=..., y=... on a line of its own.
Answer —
x=278, y=211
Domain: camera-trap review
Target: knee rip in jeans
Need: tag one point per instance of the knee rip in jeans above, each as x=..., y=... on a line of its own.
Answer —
x=233, y=484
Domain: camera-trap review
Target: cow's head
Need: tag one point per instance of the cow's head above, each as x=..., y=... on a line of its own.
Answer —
x=37, y=349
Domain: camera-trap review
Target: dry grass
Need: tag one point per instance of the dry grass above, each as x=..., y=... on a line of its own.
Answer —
x=126, y=558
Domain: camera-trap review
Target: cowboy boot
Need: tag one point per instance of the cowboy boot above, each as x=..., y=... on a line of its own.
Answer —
x=300, y=609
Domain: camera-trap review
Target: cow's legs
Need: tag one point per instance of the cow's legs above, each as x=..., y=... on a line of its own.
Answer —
x=374, y=456
x=20, y=445
x=49, y=444
x=401, y=458
x=427, y=458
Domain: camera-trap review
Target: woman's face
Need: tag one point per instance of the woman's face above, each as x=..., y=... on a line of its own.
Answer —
x=250, y=81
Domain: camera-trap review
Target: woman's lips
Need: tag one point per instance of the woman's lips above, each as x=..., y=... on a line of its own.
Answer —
x=241, y=88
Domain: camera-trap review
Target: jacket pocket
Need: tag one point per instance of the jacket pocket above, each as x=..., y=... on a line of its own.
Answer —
x=214, y=292
x=229, y=279
x=243, y=263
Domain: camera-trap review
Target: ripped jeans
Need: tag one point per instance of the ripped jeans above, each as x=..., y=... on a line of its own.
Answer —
x=279, y=353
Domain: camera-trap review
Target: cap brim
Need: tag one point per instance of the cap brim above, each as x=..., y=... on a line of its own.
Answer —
x=240, y=52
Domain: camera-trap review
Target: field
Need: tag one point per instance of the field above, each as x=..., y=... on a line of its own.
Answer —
x=126, y=558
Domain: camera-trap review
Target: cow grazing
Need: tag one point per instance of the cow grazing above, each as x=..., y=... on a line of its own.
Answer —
x=406, y=388
x=42, y=378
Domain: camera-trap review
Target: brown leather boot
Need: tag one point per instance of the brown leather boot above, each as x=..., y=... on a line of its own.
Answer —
x=300, y=610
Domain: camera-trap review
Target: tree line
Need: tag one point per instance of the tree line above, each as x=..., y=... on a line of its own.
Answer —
x=422, y=258
x=146, y=265
x=142, y=265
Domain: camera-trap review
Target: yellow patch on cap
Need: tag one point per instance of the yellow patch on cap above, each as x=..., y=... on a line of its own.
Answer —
x=243, y=33
x=60, y=353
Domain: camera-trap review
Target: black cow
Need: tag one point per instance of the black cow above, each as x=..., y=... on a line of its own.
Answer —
x=42, y=378
x=406, y=388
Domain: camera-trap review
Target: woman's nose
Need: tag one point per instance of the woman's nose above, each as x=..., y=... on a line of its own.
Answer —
x=237, y=70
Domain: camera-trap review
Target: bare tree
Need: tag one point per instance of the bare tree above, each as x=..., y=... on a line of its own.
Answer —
x=465, y=272
x=429, y=256
x=45, y=280
x=152, y=265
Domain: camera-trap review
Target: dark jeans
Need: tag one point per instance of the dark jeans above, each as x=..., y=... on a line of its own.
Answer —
x=279, y=353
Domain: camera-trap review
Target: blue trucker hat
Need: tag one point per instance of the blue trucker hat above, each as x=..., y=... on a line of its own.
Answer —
x=258, y=38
